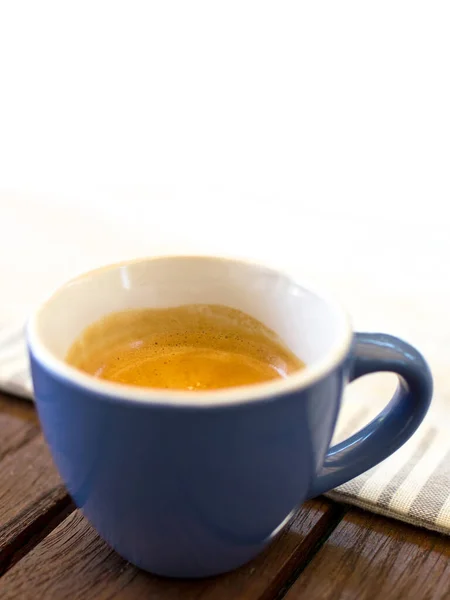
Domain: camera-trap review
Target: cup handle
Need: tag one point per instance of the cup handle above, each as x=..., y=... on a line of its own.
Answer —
x=395, y=424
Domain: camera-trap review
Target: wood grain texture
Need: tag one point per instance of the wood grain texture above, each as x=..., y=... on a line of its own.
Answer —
x=31, y=492
x=73, y=562
x=368, y=557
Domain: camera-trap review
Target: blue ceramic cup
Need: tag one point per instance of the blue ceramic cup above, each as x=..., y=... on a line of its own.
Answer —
x=193, y=484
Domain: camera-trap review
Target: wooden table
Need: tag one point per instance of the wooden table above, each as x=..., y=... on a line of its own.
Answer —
x=48, y=550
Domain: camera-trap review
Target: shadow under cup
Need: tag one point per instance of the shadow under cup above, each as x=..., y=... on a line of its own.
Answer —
x=180, y=483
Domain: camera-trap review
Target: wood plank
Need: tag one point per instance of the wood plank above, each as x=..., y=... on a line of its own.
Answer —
x=31, y=492
x=73, y=562
x=369, y=557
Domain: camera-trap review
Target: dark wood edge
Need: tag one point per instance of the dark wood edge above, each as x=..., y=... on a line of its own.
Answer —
x=37, y=530
x=308, y=550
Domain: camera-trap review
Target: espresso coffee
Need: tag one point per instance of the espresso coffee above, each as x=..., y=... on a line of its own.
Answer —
x=195, y=347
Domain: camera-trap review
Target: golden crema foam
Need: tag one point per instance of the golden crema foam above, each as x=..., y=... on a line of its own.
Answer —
x=195, y=347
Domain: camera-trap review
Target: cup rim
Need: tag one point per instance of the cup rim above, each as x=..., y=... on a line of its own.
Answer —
x=125, y=393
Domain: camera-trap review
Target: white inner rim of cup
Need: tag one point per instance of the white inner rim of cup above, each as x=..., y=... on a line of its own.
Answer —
x=313, y=327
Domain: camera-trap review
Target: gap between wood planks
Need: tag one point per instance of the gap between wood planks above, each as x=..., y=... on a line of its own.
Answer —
x=30, y=537
x=339, y=512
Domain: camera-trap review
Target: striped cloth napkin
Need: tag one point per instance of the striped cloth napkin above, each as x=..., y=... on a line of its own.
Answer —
x=412, y=485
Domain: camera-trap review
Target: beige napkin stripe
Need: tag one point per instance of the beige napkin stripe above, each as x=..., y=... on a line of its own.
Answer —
x=381, y=477
x=407, y=492
x=434, y=493
x=443, y=518
x=420, y=447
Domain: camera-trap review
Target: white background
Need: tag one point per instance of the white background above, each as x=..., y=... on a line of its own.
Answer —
x=314, y=135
